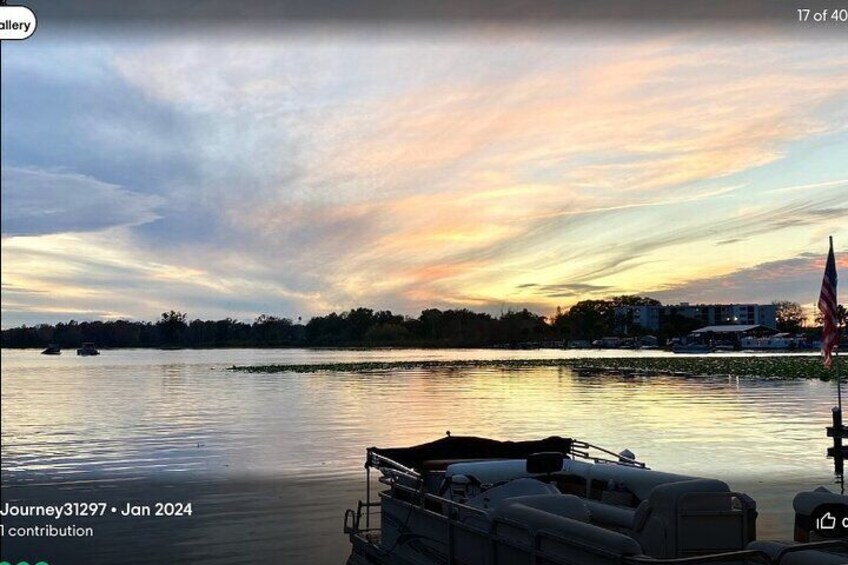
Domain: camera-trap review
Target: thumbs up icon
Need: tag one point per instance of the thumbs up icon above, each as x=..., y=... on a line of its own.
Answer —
x=826, y=522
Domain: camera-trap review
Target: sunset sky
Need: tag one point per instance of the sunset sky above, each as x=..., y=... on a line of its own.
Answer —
x=313, y=171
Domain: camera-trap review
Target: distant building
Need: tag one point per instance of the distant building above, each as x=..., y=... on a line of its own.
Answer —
x=650, y=317
x=646, y=317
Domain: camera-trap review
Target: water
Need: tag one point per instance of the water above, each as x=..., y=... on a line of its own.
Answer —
x=272, y=460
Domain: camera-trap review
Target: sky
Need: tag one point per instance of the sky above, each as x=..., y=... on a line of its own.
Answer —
x=323, y=169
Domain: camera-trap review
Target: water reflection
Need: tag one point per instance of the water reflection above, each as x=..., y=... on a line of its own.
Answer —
x=139, y=414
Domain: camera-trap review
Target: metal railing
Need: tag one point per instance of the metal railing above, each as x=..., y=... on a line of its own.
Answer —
x=581, y=449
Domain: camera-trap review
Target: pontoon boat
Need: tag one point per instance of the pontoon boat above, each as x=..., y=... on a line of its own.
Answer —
x=469, y=500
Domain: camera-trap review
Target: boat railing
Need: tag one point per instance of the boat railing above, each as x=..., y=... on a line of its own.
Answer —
x=383, y=462
x=579, y=449
x=353, y=519
x=583, y=450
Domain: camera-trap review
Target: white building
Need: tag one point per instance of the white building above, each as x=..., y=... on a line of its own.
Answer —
x=650, y=317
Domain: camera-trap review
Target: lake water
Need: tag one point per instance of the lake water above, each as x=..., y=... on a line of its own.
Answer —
x=271, y=461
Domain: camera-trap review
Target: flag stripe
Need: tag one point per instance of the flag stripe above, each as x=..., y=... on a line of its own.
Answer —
x=828, y=306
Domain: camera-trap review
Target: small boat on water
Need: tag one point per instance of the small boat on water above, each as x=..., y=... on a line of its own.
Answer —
x=470, y=500
x=52, y=349
x=691, y=348
x=87, y=349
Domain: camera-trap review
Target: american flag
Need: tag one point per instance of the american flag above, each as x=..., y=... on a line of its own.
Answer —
x=827, y=305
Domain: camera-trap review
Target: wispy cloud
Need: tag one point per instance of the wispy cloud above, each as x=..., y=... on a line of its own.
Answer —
x=309, y=173
x=797, y=279
x=36, y=202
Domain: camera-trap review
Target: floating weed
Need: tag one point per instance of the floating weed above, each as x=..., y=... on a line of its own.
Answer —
x=771, y=367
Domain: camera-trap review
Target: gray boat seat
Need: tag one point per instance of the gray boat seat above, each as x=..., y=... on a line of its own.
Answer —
x=608, y=515
x=490, y=472
x=563, y=505
x=694, y=517
x=637, y=480
x=806, y=505
x=518, y=488
x=513, y=496
x=811, y=557
x=523, y=526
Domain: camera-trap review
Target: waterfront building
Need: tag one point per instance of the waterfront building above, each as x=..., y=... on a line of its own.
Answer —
x=651, y=317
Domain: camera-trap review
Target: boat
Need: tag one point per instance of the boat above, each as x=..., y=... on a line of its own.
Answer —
x=87, y=349
x=691, y=348
x=52, y=349
x=471, y=500
x=778, y=342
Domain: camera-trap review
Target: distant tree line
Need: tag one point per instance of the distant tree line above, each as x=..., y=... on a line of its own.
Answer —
x=587, y=320
x=171, y=330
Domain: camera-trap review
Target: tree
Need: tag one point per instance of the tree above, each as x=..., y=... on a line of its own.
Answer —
x=359, y=321
x=386, y=334
x=676, y=325
x=172, y=326
x=561, y=325
x=634, y=300
x=515, y=327
x=841, y=316
x=271, y=330
x=789, y=316
x=591, y=319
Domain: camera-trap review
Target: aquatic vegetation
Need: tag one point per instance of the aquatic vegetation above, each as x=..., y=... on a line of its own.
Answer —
x=761, y=367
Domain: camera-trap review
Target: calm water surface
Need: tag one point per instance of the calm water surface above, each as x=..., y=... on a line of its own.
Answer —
x=154, y=416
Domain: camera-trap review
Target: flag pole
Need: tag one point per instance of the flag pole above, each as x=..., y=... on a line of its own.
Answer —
x=836, y=349
x=838, y=378
x=836, y=366
x=840, y=467
x=838, y=426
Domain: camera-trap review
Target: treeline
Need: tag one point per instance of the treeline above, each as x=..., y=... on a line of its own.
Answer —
x=171, y=330
x=363, y=327
x=357, y=327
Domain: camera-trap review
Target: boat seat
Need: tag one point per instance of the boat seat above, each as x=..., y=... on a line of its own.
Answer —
x=490, y=472
x=807, y=502
x=693, y=517
x=636, y=480
x=432, y=465
x=806, y=505
x=520, y=488
x=609, y=515
x=577, y=541
x=563, y=505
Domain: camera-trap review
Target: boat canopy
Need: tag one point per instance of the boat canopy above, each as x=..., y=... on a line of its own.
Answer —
x=465, y=448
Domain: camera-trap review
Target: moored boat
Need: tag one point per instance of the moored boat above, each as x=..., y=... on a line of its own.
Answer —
x=474, y=500
x=87, y=349
x=691, y=348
